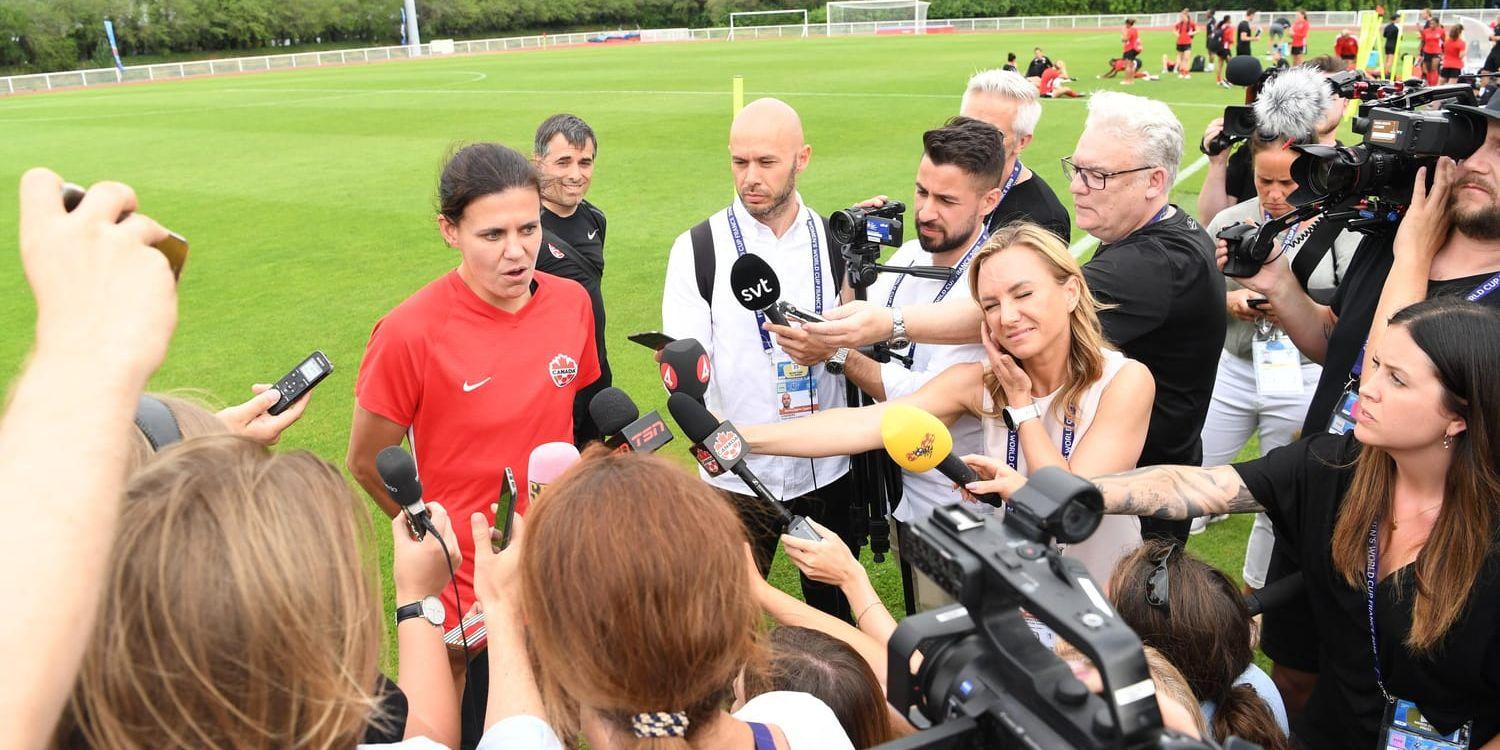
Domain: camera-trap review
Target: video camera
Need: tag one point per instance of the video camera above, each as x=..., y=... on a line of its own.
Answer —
x=1239, y=119
x=985, y=679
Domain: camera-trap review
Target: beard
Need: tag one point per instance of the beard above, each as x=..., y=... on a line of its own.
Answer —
x=1481, y=223
x=778, y=202
x=948, y=240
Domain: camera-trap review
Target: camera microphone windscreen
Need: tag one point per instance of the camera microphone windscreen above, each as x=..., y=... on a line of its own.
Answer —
x=1291, y=105
x=1243, y=70
x=548, y=462
x=756, y=286
x=919, y=442
x=685, y=368
x=611, y=409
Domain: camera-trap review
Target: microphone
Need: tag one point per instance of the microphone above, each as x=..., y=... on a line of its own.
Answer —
x=398, y=472
x=1291, y=105
x=548, y=462
x=1242, y=70
x=724, y=444
x=756, y=287
x=623, y=426
x=1275, y=595
x=685, y=368
x=919, y=442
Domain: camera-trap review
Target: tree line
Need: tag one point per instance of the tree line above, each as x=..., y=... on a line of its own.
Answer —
x=46, y=35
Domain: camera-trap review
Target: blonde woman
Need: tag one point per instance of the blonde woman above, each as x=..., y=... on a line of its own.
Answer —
x=1076, y=404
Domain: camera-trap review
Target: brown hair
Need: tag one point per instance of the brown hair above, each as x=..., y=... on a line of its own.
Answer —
x=242, y=610
x=634, y=589
x=1086, y=337
x=481, y=169
x=1455, y=31
x=194, y=419
x=1463, y=342
x=1204, y=630
x=809, y=661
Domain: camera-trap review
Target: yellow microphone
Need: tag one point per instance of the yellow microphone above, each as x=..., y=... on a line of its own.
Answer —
x=919, y=442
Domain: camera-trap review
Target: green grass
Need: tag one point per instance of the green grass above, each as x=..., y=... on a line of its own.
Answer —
x=309, y=195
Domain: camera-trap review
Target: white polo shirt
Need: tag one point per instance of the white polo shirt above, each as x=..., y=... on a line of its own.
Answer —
x=921, y=493
x=743, y=388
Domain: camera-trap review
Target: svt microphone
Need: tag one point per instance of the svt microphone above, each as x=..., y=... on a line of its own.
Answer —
x=919, y=442
x=548, y=461
x=685, y=368
x=727, y=447
x=757, y=287
x=398, y=472
x=622, y=425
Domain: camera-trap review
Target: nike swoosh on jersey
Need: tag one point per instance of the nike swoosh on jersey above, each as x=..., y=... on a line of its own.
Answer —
x=468, y=387
x=591, y=234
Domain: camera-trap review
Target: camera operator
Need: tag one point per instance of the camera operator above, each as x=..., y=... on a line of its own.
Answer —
x=751, y=371
x=1010, y=103
x=1395, y=527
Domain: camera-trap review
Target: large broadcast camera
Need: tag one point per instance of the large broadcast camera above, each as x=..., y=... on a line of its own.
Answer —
x=985, y=680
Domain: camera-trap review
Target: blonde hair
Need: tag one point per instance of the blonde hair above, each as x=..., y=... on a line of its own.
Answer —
x=1086, y=344
x=242, y=610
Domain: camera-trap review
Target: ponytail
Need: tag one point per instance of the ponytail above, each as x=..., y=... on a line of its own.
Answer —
x=1244, y=714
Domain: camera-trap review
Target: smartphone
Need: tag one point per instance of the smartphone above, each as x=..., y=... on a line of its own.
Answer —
x=300, y=380
x=174, y=247
x=505, y=511
x=651, y=339
x=1257, y=303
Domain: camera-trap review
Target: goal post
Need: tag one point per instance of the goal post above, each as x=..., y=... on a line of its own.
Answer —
x=749, y=19
x=898, y=14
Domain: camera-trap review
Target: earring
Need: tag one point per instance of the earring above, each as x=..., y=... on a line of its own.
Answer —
x=1447, y=441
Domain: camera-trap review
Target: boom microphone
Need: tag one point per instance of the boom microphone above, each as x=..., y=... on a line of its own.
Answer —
x=1242, y=70
x=623, y=426
x=548, y=461
x=685, y=368
x=1291, y=105
x=398, y=472
x=919, y=442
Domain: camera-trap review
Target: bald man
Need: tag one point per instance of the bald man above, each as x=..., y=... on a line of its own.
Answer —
x=754, y=381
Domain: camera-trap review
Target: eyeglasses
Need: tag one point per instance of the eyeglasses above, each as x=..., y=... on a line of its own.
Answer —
x=1093, y=179
x=1158, y=590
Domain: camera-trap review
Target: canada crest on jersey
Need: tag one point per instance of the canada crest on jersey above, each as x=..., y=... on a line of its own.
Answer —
x=555, y=252
x=563, y=369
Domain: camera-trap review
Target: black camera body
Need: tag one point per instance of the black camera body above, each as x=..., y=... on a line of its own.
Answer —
x=1245, y=255
x=861, y=232
x=1239, y=125
x=985, y=679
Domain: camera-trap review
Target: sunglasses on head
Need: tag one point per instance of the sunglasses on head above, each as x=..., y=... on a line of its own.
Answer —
x=1158, y=591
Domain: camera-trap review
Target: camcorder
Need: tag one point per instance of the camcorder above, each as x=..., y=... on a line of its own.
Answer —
x=860, y=232
x=985, y=680
x=1239, y=119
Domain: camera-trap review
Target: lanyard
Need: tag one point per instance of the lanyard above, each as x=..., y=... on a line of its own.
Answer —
x=1012, y=443
x=1162, y=214
x=817, y=262
x=1372, y=560
x=1479, y=293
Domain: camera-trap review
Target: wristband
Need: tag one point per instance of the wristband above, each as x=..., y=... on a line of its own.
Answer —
x=865, y=611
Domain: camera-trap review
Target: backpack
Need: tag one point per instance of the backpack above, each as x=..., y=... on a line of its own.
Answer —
x=704, y=261
x=1197, y=66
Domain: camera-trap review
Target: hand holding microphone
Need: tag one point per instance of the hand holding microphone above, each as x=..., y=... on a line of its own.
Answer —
x=827, y=560
x=419, y=568
x=919, y=442
x=398, y=472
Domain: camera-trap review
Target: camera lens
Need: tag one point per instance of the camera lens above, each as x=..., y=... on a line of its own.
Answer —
x=842, y=225
x=1077, y=523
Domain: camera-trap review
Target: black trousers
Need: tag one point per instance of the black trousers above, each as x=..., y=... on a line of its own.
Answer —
x=476, y=698
x=829, y=505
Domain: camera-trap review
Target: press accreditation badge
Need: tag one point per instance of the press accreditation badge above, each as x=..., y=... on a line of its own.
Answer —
x=1404, y=728
x=1278, y=366
x=793, y=388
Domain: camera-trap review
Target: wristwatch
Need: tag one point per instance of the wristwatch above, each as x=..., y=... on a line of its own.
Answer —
x=835, y=364
x=899, y=339
x=429, y=608
x=1015, y=416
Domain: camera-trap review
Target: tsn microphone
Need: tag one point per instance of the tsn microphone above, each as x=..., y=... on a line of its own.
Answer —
x=398, y=472
x=919, y=442
x=623, y=426
x=727, y=447
x=548, y=461
x=757, y=287
x=685, y=368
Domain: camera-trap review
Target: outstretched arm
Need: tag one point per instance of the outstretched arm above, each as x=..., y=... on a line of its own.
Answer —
x=1176, y=492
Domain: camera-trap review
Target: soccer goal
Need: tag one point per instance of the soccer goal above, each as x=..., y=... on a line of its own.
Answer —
x=901, y=15
x=748, y=23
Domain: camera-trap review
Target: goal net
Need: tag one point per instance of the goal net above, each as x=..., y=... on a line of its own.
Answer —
x=755, y=24
x=861, y=16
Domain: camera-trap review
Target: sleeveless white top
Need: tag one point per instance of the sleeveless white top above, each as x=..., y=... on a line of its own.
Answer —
x=1116, y=535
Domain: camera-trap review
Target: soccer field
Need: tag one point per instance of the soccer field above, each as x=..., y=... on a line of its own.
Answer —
x=309, y=196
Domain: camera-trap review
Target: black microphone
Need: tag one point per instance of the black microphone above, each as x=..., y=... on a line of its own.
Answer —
x=623, y=426
x=398, y=472
x=756, y=287
x=1242, y=70
x=727, y=447
x=685, y=368
x=1274, y=596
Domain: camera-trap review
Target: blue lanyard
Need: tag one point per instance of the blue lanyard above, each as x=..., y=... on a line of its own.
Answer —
x=1372, y=561
x=1012, y=443
x=1162, y=214
x=1287, y=239
x=817, y=262
x=1479, y=293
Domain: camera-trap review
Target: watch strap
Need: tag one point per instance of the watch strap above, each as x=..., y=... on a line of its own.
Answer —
x=408, y=611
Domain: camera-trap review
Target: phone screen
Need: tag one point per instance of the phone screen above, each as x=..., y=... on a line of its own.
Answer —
x=505, y=511
x=651, y=339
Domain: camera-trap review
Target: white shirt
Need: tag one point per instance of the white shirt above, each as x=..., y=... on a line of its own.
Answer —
x=922, y=493
x=742, y=389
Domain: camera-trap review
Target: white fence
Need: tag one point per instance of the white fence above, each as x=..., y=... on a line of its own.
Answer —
x=231, y=65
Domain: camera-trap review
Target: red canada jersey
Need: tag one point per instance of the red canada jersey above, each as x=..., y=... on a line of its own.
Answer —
x=1300, y=27
x=1432, y=40
x=1185, y=31
x=1453, y=53
x=479, y=388
x=1228, y=35
x=1132, y=39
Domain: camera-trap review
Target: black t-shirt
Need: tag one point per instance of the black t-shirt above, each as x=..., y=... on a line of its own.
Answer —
x=388, y=723
x=1242, y=45
x=1302, y=486
x=583, y=231
x=1354, y=303
x=559, y=258
x=1038, y=66
x=1034, y=201
x=1168, y=314
x=1011, y=67
x=1239, y=175
x=1213, y=32
x=1391, y=32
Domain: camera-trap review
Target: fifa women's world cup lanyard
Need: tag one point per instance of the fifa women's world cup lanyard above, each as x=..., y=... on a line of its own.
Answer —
x=1278, y=364
x=795, y=394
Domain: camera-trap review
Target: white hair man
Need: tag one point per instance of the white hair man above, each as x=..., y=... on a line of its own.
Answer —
x=1008, y=101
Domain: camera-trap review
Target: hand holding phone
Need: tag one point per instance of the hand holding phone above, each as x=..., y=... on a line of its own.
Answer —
x=173, y=246
x=655, y=340
x=505, y=510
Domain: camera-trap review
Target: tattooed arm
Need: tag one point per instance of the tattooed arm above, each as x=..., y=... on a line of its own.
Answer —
x=1176, y=492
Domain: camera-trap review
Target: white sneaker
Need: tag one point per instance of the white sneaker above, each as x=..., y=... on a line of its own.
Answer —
x=1200, y=525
